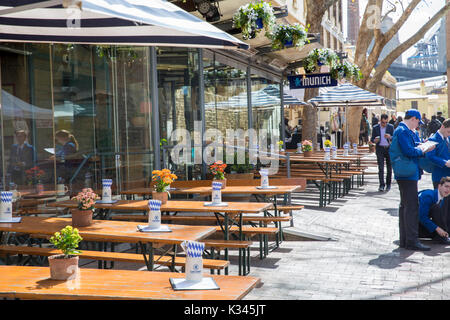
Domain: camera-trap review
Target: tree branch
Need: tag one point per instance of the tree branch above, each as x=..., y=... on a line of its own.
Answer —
x=401, y=21
x=394, y=54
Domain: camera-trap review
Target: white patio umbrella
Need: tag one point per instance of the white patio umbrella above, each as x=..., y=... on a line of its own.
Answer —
x=346, y=95
x=119, y=22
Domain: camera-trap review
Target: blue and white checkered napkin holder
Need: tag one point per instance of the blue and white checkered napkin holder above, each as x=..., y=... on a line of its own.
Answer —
x=346, y=149
x=264, y=178
x=154, y=216
x=6, y=205
x=216, y=192
x=194, y=260
x=333, y=152
x=355, y=148
x=106, y=192
x=299, y=148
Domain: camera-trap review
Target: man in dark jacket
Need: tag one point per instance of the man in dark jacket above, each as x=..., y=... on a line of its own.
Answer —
x=22, y=158
x=382, y=135
x=434, y=125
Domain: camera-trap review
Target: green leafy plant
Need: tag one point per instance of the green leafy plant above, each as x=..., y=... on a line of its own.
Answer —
x=247, y=15
x=245, y=167
x=283, y=34
x=346, y=70
x=67, y=241
x=318, y=57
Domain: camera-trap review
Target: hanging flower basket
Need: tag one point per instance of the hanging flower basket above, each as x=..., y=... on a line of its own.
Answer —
x=346, y=70
x=320, y=57
x=253, y=17
x=285, y=36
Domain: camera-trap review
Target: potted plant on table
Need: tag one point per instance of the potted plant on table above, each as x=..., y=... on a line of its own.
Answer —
x=327, y=148
x=285, y=36
x=162, y=180
x=218, y=171
x=240, y=170
x=82, y=216
x=65, y=266
x=253, y=17
x=34, y=177
x=307, y=148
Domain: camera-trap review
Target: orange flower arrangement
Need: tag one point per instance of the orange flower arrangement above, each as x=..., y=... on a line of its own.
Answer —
x=218, y=169
x=163, y=179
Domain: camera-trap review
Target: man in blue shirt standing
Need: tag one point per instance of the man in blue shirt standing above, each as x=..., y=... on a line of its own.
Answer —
x=440, y=156
x=408, y=143
x=434, y=213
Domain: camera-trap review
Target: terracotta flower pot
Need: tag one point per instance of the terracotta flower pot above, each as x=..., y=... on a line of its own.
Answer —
x=222, y=181
x=81, y=218
x=162, y=196
x=63, y=268
x=308, y=153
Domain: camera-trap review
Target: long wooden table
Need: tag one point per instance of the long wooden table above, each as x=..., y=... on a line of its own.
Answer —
x=34, y=283
x=113, y=231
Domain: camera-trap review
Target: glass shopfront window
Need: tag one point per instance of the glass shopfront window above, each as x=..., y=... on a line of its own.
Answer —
x=79, y=113
x=266, y=108
x=179, y=102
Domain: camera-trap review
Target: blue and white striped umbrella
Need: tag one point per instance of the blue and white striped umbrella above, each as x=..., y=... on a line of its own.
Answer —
x=117, y=22
x=259, y=99
x=288, y=99
x=346, y=95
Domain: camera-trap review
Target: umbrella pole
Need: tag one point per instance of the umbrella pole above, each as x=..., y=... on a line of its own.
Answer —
x=346, y=122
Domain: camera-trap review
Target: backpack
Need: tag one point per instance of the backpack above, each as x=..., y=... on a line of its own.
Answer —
x=402, y=165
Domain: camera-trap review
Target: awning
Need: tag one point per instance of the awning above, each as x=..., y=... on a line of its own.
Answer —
x=118, y=22
x=274, y=91
x=346, y=95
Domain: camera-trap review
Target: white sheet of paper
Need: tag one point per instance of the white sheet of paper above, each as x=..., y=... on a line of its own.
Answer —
x=426, y=145
x=146, y=228
x=207, y=283
x=14, y=220
x=50, y=150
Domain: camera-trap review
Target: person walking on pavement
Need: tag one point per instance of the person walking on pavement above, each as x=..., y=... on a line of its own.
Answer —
x=434, y=212
x=440, y=156
x=381, y=135
x=406, y=142
x=440, y=117
x=433, y=126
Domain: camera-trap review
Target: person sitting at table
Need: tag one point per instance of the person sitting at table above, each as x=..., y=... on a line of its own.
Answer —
x=22, y=157
x=434, y=212
x=65, y=152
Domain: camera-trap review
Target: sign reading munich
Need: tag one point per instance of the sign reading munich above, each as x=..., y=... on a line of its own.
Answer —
x=311, y=81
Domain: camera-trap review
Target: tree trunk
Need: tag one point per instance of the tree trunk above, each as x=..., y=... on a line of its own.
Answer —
x=315, y=9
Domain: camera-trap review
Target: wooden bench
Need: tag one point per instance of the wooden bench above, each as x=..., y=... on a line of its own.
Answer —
x=109, y=256
x=144, y=218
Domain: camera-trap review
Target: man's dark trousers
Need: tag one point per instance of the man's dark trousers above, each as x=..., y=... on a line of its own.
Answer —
x=408, y=213
x=382, y=155
x=439, y=215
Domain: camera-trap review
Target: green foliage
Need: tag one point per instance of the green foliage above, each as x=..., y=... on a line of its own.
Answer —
x=317, y=57
x=346, y=70
x=285, y=33
x=67, y=240
x=245, y=18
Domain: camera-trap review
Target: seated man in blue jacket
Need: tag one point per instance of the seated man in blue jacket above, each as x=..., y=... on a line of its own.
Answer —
x=434, y=212
x=440, y=156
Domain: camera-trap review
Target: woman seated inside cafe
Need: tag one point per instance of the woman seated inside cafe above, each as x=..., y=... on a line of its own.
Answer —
x=66, y=154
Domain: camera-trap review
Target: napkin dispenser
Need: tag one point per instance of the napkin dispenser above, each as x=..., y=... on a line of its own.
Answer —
x=154, y=216
x=194, y=260
x=106, y=192
x=6, y=205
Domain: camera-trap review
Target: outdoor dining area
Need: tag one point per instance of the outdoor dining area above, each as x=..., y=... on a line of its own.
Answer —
x=226, y=220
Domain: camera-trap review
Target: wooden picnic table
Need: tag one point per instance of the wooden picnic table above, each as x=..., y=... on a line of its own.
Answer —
x=20, y=282
x=113, y=231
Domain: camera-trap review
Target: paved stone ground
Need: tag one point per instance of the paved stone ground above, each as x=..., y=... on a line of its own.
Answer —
x=363, y=262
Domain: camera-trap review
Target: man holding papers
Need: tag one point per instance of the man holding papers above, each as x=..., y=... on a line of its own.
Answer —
x=405, y=142
x=440, y=156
